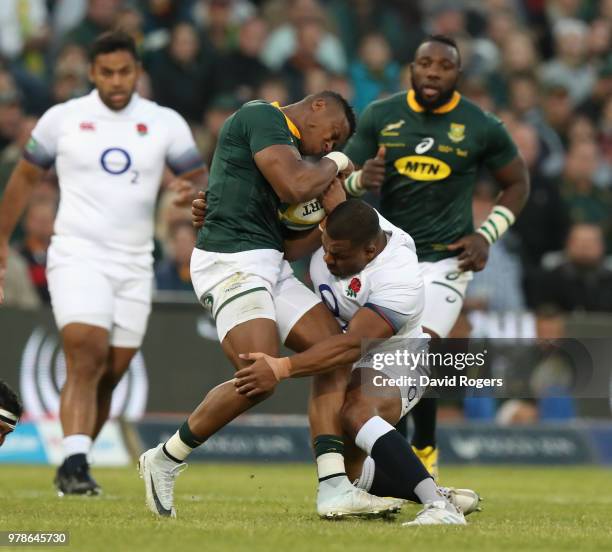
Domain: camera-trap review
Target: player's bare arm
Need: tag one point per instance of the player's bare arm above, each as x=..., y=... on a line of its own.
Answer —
x=299, y=244
x=265, y=373
x=294, y=179
x=16, y=196
x=514, y=180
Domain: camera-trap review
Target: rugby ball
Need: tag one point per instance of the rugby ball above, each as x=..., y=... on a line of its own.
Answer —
x=301, y=216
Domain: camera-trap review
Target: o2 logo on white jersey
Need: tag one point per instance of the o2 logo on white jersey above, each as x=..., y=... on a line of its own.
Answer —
x=424, y=145
x=326, y=292
x=115, y=161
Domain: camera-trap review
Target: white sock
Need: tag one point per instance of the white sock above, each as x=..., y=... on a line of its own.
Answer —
x=331, y=466
x=330, y=463
x=367, y=474
x=370, y=432
x=176, y=448
x=76, y=444
x=428, y=492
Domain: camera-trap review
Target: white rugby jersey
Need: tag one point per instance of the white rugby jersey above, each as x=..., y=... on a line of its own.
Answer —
x=110, y=164
x=391, y=284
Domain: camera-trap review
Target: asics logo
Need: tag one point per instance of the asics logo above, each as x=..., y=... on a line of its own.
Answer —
x=424, y=145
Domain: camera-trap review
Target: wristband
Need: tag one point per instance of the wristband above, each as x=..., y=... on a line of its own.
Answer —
x=339, y=158
x=281, y=368
x=353, y=184
x=497, y=223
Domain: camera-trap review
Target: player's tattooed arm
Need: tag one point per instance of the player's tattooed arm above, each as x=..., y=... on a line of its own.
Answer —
x=264, y=374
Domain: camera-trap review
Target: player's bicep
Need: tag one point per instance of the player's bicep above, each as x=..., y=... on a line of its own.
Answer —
x=28, y=171
x=369, y=323
x=515, y=170
x=182, y=155
x=41, y=148
x=277, y=163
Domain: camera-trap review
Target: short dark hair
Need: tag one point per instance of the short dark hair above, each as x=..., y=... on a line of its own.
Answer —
x=346, y=107
x=113, y=41
x=9, y=400
x=353, y=220
x=442, y=39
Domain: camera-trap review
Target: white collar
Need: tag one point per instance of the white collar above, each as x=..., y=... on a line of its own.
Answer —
x=95, y=96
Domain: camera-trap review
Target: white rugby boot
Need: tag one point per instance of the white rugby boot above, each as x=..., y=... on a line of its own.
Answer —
x=438, y=513
x=351, y=501
x=467, y=500
x=159, y=474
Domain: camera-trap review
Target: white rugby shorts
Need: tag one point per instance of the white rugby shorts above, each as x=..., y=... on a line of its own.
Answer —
x=243, y=286
x=90, y=285
x=445, y=287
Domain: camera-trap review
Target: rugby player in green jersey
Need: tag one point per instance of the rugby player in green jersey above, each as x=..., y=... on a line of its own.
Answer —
x=423, y=149
x=240, y=273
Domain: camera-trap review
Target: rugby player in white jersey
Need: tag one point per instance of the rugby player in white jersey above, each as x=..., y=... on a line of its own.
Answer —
x=368, y=276
x=110, y=149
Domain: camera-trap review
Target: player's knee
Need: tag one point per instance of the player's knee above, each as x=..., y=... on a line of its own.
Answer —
x=109, y=380
x=330, y=383
x=87, y=357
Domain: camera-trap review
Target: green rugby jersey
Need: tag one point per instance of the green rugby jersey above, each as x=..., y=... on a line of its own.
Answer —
x=242, y=207
x=432, y=161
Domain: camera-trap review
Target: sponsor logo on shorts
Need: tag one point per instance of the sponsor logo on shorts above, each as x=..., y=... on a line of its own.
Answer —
x=422, y=168
x=207, y=301
x=234, y=283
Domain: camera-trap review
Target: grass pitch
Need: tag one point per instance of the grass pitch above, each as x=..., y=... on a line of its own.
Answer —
x=271, y=507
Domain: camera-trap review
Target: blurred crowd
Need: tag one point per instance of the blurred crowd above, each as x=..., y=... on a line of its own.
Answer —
x=544, y=66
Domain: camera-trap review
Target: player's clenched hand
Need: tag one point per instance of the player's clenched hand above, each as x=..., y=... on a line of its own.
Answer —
x=373, y=171
x=333, y=196
x=474, y=254
x=198, y=210
x=350, y=168
x=185, y=192
x=262, y=376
